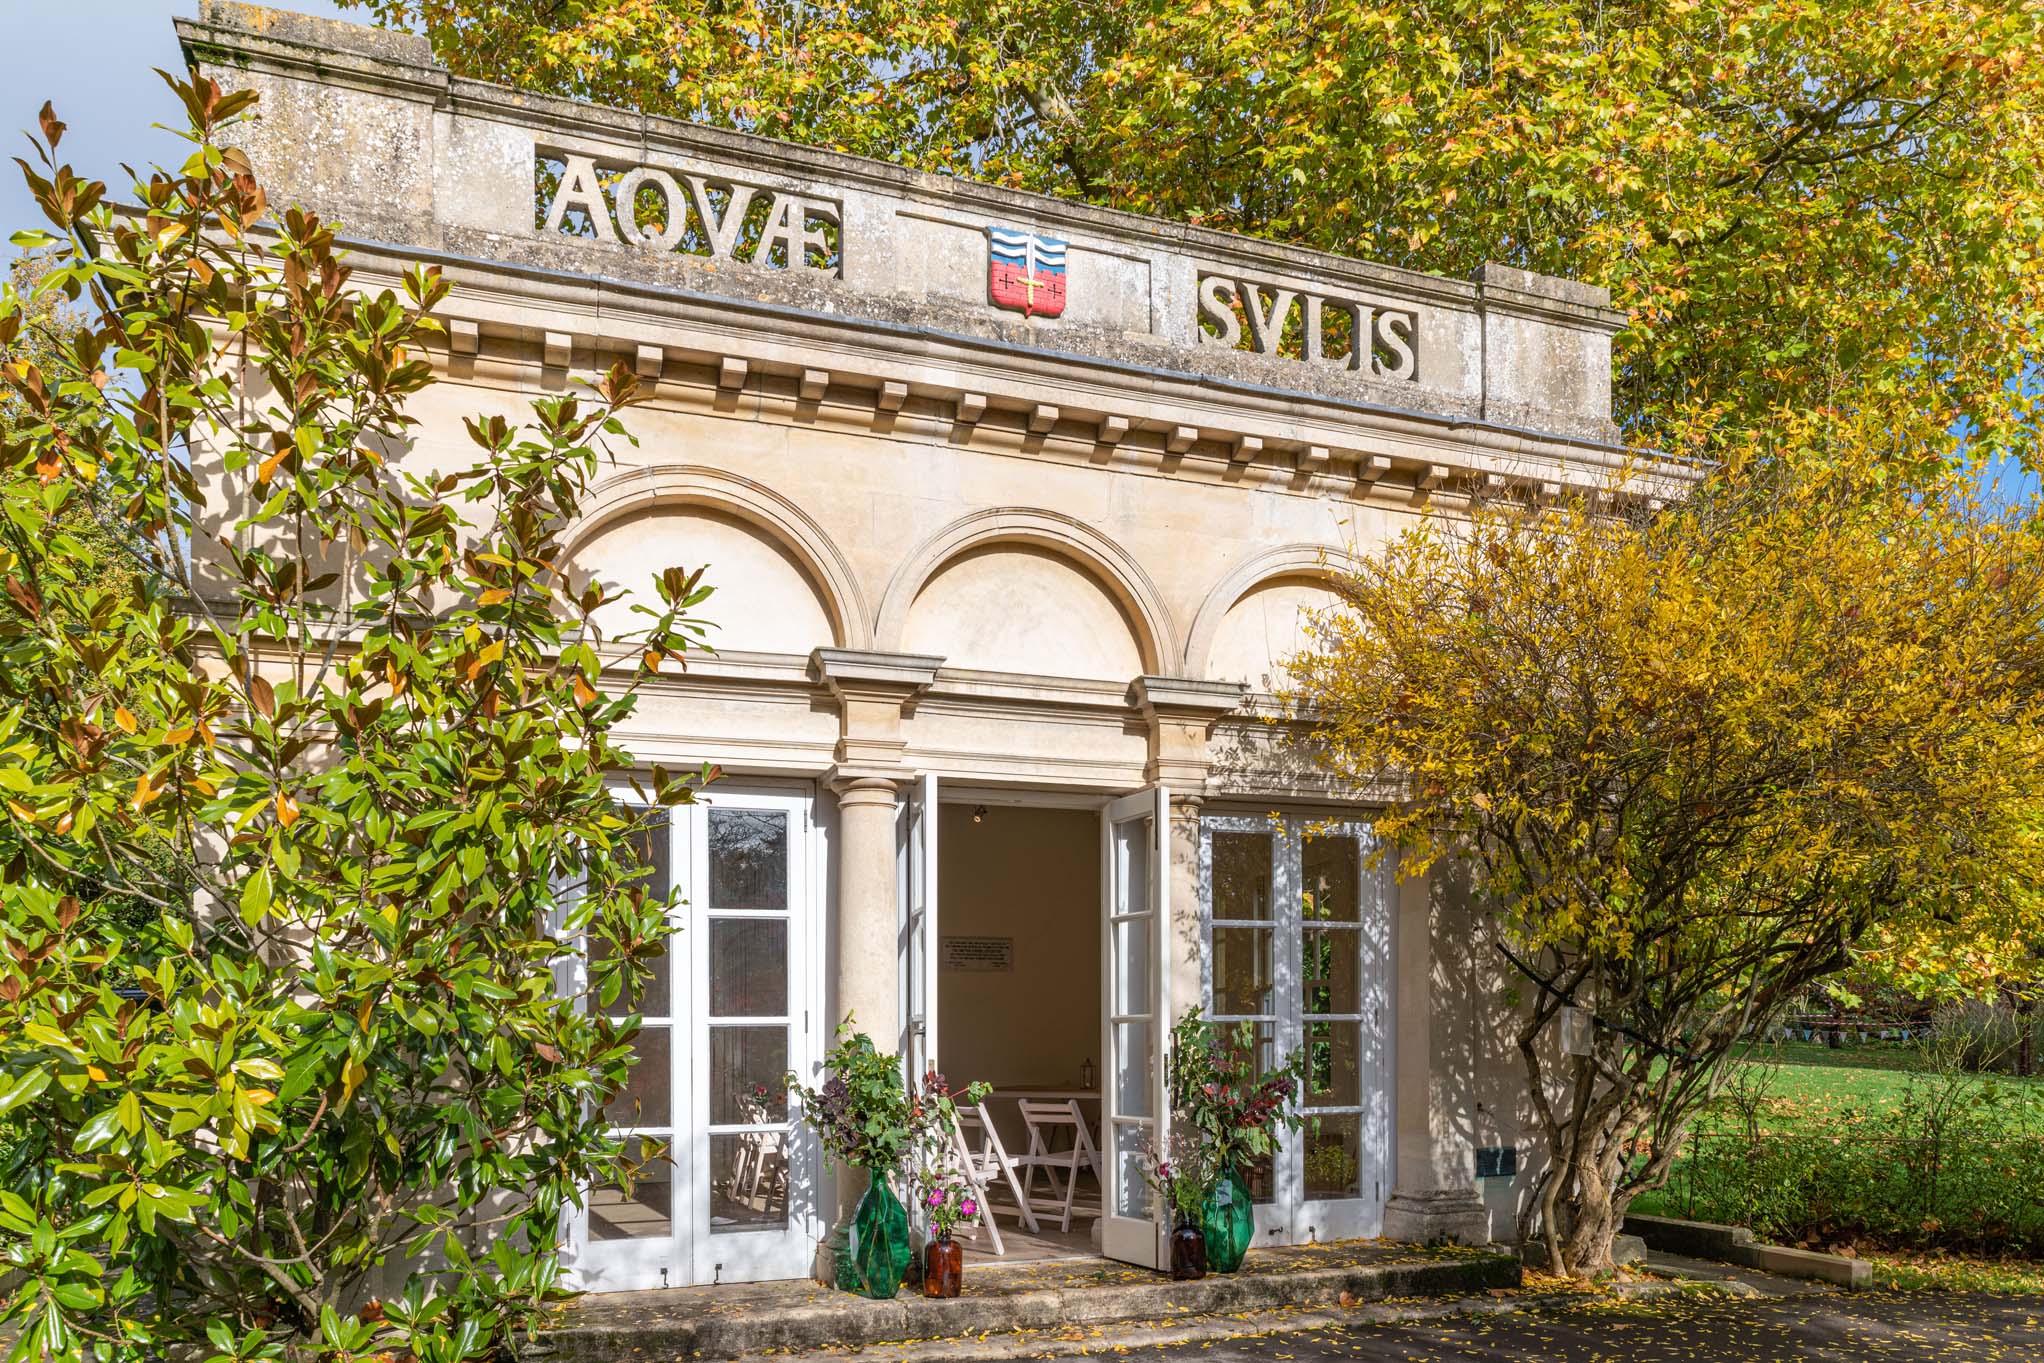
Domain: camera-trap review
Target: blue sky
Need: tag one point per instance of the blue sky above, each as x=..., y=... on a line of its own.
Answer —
x=2008, y=481
x=95, y=60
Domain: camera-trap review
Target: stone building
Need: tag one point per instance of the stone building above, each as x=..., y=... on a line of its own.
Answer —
x=1012, y=506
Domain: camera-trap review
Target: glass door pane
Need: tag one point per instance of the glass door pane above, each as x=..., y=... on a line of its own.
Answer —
x=1341, y=1146
x=632, y=1235
x=1137, y=998
x=745, y=923
x=1243, y=952
x=1298, y=946
x=754, y=1201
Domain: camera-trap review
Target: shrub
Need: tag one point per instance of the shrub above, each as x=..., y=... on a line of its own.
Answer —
x=378, y=737
x=1958, y=1164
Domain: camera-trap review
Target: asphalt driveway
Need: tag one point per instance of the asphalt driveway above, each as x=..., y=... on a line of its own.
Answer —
x=1883, y=1327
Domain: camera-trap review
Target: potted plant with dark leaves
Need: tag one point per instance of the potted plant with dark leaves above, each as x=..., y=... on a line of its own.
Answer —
x=862, y=1115
x=1219, y=1089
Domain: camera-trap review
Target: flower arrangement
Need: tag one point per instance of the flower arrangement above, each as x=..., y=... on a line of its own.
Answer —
x=942, y=1195
x=1217, y=1089
x=1183, y=1174
x=946, y=1201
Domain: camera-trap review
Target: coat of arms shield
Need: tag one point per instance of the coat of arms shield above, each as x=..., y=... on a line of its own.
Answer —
x=1026, y=272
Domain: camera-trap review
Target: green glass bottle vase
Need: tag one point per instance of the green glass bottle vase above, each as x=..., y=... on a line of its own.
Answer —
x=877, y=1250
x=1229, y=1220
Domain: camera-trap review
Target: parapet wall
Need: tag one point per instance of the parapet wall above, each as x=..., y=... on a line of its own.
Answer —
x=365, y=127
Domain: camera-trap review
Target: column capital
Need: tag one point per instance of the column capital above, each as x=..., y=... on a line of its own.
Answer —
x=871, y=675
x=1185, y=697
x=872, y=690
x=1182, y=712
x=864, y=783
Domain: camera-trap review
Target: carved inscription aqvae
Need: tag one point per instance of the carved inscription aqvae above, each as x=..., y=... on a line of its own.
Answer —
x=795, y=231
x=1378, y=341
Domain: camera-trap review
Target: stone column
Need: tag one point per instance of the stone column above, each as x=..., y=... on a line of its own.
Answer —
x=1433, y=1194
x=872, y=690
x=868, y=962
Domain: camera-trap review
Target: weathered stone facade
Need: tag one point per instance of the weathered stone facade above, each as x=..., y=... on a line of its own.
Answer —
x=1034, y=557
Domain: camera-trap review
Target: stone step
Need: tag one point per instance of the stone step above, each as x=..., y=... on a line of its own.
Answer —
x=1037, y=1312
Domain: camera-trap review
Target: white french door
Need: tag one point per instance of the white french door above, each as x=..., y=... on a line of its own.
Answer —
x=916, y=857
x=1136, y=990
x=726, y=1015
x=1298, y=945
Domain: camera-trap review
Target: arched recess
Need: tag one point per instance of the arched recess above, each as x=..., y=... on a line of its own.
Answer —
x=792, y=531
x=1319, y=563
x=1097, y=557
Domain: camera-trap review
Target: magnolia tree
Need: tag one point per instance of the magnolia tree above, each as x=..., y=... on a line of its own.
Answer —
x=340, y=733
x=1688, y=765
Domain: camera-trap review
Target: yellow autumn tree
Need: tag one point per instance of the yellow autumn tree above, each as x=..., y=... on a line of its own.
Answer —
x=1690, y=762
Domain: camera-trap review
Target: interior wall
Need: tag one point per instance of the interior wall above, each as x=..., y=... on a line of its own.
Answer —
x=1032, y=875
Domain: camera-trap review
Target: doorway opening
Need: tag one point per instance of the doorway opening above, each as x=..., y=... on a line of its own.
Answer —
x=1018, y=984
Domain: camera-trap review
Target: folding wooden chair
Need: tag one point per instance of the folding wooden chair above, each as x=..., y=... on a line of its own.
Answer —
x=1061, y=1163
x=983, y=1159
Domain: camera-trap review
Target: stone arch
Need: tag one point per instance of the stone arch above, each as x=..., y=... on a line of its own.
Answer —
x=1079, y=545
x=1320, y=562
x=791, y=529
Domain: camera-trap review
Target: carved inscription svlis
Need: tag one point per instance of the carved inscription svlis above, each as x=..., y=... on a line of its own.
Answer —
x=1378, y=341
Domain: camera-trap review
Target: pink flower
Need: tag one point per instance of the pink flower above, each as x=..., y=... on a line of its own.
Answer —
x=970, y=1208
x=936, y=1199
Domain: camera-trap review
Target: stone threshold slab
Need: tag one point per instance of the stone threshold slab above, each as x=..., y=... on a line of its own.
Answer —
x=1048, y=1301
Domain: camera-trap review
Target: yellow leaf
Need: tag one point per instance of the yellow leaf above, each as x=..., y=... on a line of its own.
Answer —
x=287, y=809
x=125, y=720
x=585, y=694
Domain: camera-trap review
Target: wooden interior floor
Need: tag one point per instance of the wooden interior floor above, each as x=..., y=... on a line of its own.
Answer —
x=1025, y=1246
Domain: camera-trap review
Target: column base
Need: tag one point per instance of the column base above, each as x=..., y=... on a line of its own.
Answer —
x=829, y=1251
x=1452, y=1215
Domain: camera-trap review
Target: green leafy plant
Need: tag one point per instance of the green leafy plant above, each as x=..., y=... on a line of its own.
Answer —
x=371, y=716
x=861, y=1113
x=1220, y=1091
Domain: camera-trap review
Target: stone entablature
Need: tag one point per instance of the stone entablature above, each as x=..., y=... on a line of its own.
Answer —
x=365, y=127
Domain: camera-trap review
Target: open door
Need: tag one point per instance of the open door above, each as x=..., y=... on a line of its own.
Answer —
x=916, y=855
x=1136, y=990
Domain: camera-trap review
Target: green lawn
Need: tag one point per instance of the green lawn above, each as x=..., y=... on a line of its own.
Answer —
x=1812, y=1083
x=1824, y=1169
